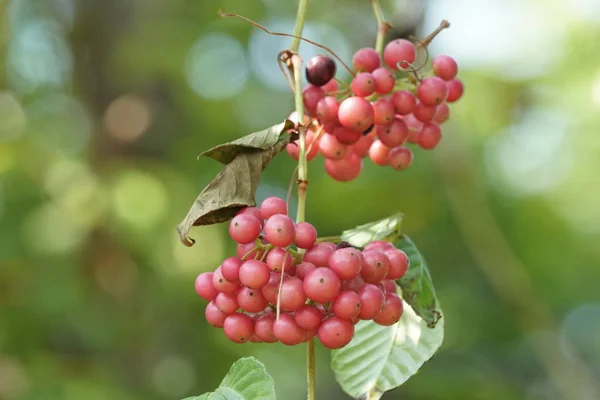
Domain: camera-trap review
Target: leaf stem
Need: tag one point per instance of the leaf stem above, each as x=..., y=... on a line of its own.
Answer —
x=382, y=26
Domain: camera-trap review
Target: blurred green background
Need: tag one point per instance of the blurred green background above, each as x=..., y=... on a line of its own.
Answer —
x=104, y=106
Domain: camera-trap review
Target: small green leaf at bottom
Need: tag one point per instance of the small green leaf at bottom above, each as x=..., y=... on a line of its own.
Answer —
x=247, y=379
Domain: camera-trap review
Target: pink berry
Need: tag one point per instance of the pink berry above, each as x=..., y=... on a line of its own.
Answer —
x=293, y=148
x=355, y=113
x=353, y=284
x=280, y=230
x=248, y=251
x=393, y=134
x=254, y=274
x=376, y=266
x=287, y=331
x=322, y=285
x=442, y=113
x=263, y=328
x=346, y=136
x=227, y=303
x=306, y=235
x=366, y=60
x=424, y=113
x=404, y=102
x=391, y=312
x=346, y=169
x=372, y=300
x=254, y=212
x=445, y=67
x=455, y=90
x=331, y=148
x=251, y=300
x=361, y=148
x=204, y=286
x=318, y=255
x=304, y=268
x=400, y=158
x=292, y=294
x=273, y=206
x=379, y=245
x=388, y=285
x=345, y=262
x=363, y=84
x=308, y=317
x=238, y=327
x=335, y=332
x=279, y=259
x=398, y=263
x=379, y=153
x=327, y=110
x=214, y=316
x=432, y=91
x=244, y=228
x=384, y=80
x=399, y=53
x=430, y=136
x=331, y=86
x=222, y=284
x=311, y=96
x=270, y=290
x=383, y=112
x=347, y=305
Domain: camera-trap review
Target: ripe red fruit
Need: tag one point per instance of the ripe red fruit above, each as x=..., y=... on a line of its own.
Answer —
x=292, y=294
x=399, y=51
x=331, y=86
x=376, y=266
x=204, y=286
x=398, y=263
x=391, y=312
x=335, y=332
x=400, y=158
x=247, y=251
x=445, y=67
x=254, y=212
x=388, y=286
x=346, y=169
x=293, y=148
x=226, y=302
x=251, y=300
x=254, y=274
x=327, y=110
x=347, y=305
x=430, y=136
x=263, y=328
x=214, y=316
x=322, y=285
x=361, y=148
x=308, y=317
x=383, y=112
x=306, y=235
x=269, y=291
x=442, y=113
x=244, y=228
x=320, y=69
x=366, y=60
x=384, y=80
x=379, y=153
x=332, y=148
x=346, y=136
x=304, y=268
x=222, y=284
x=239, y=327
x=372, y=300
x=424, y=113
x=280, y=230
x=311, y=96
x=318, y=255
x=455, y=90
x=279, y=259
x=355, y=113
x=273, y=205
x=404, y=102
x=394, y=134
x=353, y=284
x=287, y=331
x=345, y=262
x=432, y=91
x=363, y=84
x=379, y=245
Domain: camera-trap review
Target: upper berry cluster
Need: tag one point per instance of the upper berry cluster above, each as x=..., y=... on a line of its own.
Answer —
x=386, y=106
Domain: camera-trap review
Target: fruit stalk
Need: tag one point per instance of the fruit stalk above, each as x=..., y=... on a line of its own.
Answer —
x=382, y=26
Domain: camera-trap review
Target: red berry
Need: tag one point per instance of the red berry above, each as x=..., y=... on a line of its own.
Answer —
x=366, y=60
x=254, y=212
x=378, y=153
x=394, y=134
x=254, y=274
x=244, y=228
x=263, y=328
x=455, y=90
x=346, y=169
x=280, y=230
x=322, y=285
x=372, y=300
x=430, y=136
x=204, y=286
x=331, y=147
x=347, y=305
x=327, y=110
x=400, y=158
x=247, y=251
x=287, y=331
x=383, y=112
x=273, y=206
x=251, y=300
x=304, y=268
x=320, y=69
x=270, y=290
x=222, y=284
x=311, y=96
x=399, y=53
x=353, y=284
x=432, y=91
x=384, y=80
x=404, y=102
x=318, y=255
x=375, y=267
x=361, y=148
x=226, y=302
x=391, y=311
x=335, y=332
x=346, y=136
x=308, y=317
x=442, y=113
x=424, y=113
x=388, y=286
x=398, y=263
x=331, y=86
x=279, y=259
x=345, y=262
x=214, y=316
x=379, y=245
x=445, y=67
x=363, y=84
x=292, y=294
x=293, y=148
x=355, y=113
x=239, y=327
x=306, y=235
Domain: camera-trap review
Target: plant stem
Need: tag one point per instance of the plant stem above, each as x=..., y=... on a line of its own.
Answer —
x=311, y=369
x=300, y=16
x=382, y=26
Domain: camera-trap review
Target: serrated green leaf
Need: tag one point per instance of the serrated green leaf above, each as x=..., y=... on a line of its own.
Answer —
x=384, y=229
x=235, y=186
x=416, y=284
x=381, y=358
x=257, y=141
x=247, y=379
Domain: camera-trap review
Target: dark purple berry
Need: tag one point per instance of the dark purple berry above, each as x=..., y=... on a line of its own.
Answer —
x=320, y=69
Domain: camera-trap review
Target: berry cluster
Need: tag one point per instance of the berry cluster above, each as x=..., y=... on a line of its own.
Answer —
x=323, y=292
x=378, y=113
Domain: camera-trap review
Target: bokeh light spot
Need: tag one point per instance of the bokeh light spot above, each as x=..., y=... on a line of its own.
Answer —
x=127, y=118
x=173, y=376
x=12, y=117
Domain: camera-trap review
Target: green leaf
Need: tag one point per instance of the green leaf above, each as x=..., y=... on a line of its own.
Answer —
x=381, y=358
x=257, y=141
x=384, y=229
x=416, y=284
x=235, y=186
x=247, y=379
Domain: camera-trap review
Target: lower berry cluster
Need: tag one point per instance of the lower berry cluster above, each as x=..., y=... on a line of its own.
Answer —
x=272, y=292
